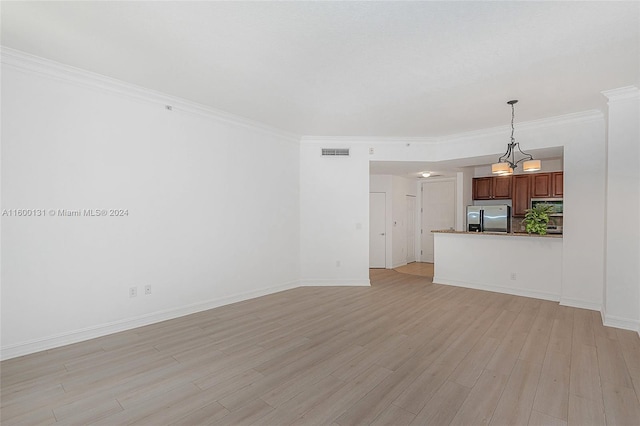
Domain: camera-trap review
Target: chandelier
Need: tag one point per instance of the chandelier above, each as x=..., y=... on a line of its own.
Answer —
x=507, y=163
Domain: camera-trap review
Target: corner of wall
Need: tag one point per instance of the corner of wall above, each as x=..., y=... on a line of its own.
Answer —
x=75, y=336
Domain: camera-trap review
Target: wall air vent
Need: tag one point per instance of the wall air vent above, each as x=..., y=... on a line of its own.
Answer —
x=335, y=151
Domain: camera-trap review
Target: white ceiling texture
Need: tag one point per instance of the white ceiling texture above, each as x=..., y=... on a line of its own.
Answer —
x=384, y=69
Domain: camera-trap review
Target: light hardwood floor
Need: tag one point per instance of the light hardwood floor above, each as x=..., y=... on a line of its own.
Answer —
x=422, y=269
x=402, y=352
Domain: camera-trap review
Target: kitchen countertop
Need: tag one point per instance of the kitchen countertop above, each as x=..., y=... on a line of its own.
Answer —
x=504, y=234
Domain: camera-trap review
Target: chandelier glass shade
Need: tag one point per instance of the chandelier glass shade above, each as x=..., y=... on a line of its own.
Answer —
x=531, y=166
x=507, y=163
x=501, y=169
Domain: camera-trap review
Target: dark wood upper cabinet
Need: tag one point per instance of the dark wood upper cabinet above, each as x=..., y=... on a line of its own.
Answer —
x=541, y=185
x=521, y=195
x=502, y=187
x=492, y=188
x=557, y=184
x=482, y=188
x=520, y=189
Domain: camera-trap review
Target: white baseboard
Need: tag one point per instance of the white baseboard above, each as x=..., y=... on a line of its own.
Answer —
x=75, y=336
x=498, y=289
x=619, y=322
x=399, y=264
x=334, y=283
x=583, y=304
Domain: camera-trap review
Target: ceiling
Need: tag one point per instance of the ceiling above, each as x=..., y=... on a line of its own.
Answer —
x=414, y=169
x=349, y=68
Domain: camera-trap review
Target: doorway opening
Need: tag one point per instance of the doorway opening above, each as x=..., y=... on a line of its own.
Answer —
x=438, y=212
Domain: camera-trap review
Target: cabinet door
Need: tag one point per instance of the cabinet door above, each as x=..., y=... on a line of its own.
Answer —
x=482, y=188
x=541, y=185
x=557, y=184
x=502, y=188
x=521, y=195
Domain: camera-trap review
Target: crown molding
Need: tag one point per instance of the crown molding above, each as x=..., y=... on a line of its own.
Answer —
x=577, y=117
x=560, y=120
x=87, y=79
x=622, y=93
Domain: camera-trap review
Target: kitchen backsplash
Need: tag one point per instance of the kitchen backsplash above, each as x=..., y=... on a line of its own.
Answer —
x=518, y=225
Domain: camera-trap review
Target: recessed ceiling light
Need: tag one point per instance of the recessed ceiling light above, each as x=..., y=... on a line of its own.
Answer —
x=426, y=174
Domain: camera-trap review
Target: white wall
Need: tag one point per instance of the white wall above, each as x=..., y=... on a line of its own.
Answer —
x=487, y=262
x=583, y=221
x=205, y=196
x=622, y=277
x=334, y=215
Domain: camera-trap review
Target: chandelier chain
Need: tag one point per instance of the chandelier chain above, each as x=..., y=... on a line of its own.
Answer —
x=513, y=114
x=508, y=162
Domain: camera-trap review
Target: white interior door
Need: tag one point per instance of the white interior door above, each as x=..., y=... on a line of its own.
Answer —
x=411, y=228
x=438, y=212
x=377, y=231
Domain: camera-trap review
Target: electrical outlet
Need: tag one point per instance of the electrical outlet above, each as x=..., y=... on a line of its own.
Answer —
x=371, y=151
x=338, y=263
x=513, y=276
x=133, y=291
x=147, y=289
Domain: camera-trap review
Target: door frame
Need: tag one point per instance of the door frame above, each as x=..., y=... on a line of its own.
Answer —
x=411, y=236
x=386, y=231
x=420, y=230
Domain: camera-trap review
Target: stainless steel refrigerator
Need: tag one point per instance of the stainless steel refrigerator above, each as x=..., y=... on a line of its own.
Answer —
x=489, y=218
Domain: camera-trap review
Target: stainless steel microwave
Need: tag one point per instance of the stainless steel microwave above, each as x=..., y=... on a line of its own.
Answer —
x=555, y=202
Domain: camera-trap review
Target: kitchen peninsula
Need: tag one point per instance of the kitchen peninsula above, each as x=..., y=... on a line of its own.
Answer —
x=514, y=263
